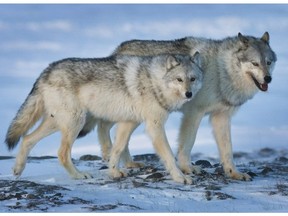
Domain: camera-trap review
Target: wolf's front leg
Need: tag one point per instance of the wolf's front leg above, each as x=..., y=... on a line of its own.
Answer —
x=157, y=133
x=123, y=133
x=187, y=135
x=222, y=132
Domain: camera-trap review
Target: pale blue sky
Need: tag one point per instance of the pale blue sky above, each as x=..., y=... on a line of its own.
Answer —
x=32, y=36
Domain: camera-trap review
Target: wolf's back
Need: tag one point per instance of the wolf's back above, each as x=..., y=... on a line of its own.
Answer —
x=28, y=114
x=154, y=47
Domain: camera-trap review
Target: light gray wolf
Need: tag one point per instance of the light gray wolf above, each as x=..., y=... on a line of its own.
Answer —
x=119, y=88
x=235, y=69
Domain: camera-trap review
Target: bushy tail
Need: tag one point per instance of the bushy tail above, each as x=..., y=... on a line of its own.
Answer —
x=28, y=114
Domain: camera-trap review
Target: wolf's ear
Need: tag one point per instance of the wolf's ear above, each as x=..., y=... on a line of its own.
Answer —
x=196, y=58
x=171, y=62
x=243, y=39
x=265, y=37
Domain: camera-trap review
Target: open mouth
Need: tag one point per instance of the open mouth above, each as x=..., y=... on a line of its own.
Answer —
x=263, y=87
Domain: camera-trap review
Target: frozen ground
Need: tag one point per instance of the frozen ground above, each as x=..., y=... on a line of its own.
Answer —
x=46, y=187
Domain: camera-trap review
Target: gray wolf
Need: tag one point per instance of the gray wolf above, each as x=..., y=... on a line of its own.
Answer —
x=116, y=89
x=235, y=69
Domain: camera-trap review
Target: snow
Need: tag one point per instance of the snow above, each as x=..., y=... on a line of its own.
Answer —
x=211, y=192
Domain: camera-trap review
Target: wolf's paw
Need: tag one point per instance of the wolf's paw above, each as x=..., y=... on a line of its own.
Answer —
x=82, y=175
x=181, y=178
x=132, y=164
x=106, y=156
x=191, y=169
x=17, y=171
x=233, y=174
x=117, y=174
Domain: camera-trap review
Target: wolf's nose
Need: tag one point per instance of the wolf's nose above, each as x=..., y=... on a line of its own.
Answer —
x=188, y=94
x=268, y=79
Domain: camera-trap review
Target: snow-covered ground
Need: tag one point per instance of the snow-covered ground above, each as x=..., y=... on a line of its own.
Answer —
x=46, y=187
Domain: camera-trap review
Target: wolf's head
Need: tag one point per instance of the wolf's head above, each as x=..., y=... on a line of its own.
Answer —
x=256, y=60
x=183, y=75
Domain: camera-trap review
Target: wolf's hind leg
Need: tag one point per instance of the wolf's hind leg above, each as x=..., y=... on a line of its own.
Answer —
x=103, y=130
x=126, y=156
x=123, y=133
x=128, y=161
x=70, y=130
x=46, y=128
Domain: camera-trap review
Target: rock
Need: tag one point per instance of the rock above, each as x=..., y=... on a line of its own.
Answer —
x=103, y=167
x=203, y=164
x=42, y=158
x=6, y=157
x=265, y=152
x=240, y=155
x=223, y=196
x=154, y=176
x=219, y=171
x=146, y=157
x=266, y=170
x=90, y=158
x=137, y=184
x=212, y=187
x=208, y=195
x=252, y=174
x=282, y=159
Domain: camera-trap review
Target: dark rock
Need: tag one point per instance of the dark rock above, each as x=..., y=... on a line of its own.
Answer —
x=283, y=189
x=100, y=207
x=266, y=170
x=282, y=159
x=103, y=167
x=148, y=169
x=42, y=158
x=252, y=174
x=6, y=157
x=265, y=152
x=32, y=196
x=156, y=175
x=208, y=195
x=137, y=184
x=146, y=157
x=90, y=158
x=223, y=196
x=212, y=187
x=240, y=155
x=203, y=164
x=219, y=171
x=216, y=165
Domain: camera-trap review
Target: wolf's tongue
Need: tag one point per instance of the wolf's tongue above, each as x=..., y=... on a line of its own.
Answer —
x=264, y=87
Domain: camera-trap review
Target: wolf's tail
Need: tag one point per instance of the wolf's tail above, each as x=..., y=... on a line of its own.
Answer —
x=28, y=114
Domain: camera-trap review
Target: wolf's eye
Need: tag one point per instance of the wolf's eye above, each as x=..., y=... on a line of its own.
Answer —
x=192, y=79
x=255, y=64
x=268, y=62
x=179, y=80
